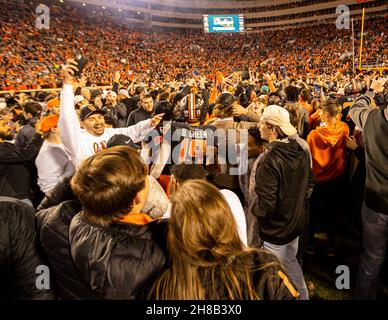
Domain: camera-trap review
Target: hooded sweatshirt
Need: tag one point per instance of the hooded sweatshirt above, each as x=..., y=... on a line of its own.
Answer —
x=328, y=150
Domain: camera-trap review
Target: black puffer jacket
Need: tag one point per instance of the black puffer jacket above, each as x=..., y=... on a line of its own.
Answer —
x=53, y=225
x=284, y=182
x=53, y=219
x=118, y=261
x=19, y=252
x=60, y=193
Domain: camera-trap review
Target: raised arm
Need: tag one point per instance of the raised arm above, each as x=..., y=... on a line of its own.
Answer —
x=116, y=82
x=239, y=110
x=140, y=130
x=69, y=125
x=360, y=109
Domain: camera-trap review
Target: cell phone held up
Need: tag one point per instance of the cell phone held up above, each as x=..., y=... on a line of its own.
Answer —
x=283, y=71
x=317, y=89
x=81, y=63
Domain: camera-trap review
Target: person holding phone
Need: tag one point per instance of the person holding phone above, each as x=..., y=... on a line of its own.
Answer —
x=86, y=136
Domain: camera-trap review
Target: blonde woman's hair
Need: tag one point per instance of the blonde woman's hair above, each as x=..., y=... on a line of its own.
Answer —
x=208, y=260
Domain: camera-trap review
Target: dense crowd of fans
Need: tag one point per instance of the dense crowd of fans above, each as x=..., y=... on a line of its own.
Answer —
x=185, y=179
x=31, y=58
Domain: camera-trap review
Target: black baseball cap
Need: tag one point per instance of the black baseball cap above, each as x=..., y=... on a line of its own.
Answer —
x=88, y=110
x=122, y=140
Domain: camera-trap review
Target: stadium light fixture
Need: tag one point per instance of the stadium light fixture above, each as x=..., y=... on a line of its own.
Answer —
x=84, y=4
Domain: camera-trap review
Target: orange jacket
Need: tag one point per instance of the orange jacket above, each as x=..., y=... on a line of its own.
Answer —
x=328, y=150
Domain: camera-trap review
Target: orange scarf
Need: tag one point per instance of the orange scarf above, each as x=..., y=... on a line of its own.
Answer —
x=136, y=218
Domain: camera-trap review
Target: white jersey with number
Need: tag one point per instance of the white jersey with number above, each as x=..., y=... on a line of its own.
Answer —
x=80, y=144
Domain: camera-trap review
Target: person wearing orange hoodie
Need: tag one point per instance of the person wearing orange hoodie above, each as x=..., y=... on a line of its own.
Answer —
x=328, y=149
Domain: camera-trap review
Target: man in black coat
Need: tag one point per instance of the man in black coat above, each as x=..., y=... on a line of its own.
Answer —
x=143, y=112
x=282, y=181
x=31, y=113
x=374, y=125
x=53, y=225
x=21, y=263
x=16, y=165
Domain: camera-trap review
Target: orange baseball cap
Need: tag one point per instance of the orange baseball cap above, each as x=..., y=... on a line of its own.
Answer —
x=49, y=122
x=53, y=103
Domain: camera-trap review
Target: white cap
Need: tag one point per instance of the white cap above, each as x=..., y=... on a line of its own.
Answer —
x=78, y=99
x=124, y=93
x=112, y=93
x=106, y=92
x=280, y=117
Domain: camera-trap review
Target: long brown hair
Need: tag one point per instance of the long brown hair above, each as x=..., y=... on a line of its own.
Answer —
x=295, y=113
x=208, y=260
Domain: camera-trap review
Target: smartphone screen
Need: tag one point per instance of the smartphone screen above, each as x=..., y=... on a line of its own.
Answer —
x=317, y=89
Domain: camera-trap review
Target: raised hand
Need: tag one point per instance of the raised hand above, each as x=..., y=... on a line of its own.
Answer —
x=378, y=85
x=239, y=110
x=267, y=77
x=117, y=76
x=68, y=71
x=156, y=119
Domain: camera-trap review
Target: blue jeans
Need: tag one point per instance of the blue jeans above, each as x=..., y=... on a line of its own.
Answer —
x=287, y=256
x=374, y=242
